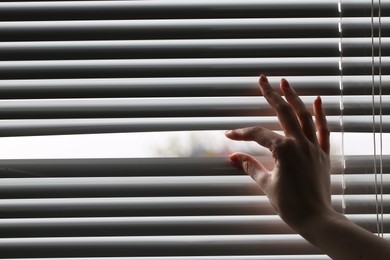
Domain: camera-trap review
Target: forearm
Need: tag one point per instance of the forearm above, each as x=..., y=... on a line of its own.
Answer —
x=341, y=239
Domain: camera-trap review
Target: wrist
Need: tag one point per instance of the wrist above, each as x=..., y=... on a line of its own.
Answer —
x=313, y=226
x=339, y=238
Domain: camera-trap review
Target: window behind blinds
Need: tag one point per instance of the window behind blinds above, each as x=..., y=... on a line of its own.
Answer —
x=81, y=67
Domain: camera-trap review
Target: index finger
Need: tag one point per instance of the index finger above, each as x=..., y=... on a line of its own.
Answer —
x=287, y=118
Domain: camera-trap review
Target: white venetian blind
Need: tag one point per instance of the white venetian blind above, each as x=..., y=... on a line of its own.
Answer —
x=81, y=67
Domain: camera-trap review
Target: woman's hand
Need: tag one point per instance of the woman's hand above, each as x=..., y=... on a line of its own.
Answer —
x=299, y=185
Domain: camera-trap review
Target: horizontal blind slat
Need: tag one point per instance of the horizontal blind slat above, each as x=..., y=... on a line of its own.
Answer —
x=148, y=167
x=33, y=127
x=152, y=167
x=165, y=9
x=185, y=87
x=188, y=28
x=141, y=49
x=163, y=186
x=173, y=107
x=149, y=226
x=173, y=49
x=156, y=245
x=188, y=225
x=175, y=67
x=239, y=257
x=166, y=29
x=164, y=245
x=167, y=206
x=133, y=206
x=177, y=9
x=187, y=67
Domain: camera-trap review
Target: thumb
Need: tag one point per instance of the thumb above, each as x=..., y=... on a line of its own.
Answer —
x=252, y=167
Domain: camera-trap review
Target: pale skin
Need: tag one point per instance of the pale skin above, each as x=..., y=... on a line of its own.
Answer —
x=298, y=186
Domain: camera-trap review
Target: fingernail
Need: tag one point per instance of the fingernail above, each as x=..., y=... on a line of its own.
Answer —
x=234, y=159
x=245, y=166
x=263, y=78
x=285, y=83
x=228, y=132
x=319, y=100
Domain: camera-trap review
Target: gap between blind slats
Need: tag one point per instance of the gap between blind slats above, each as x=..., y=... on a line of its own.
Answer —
x=163, y=186
x=185, y=87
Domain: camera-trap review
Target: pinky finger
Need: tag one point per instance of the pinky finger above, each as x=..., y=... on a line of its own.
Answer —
x=322, y=126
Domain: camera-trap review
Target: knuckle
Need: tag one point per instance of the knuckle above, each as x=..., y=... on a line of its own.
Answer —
x=275, y=145
x=321, y=115
x=287, y=146
x=255, y=129
x=283, y=108
x=290, y=93
x=253, y=132
x=288, y=143
x=325, y=131
x=283, y=145
x=305, y=114
x=249, y=133
x=268, y=92
x=262, y=180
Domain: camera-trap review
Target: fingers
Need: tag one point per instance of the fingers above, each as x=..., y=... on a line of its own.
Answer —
x=287, y=119
x=252, y=167
x=262, y=136
x=300, y=110
x=322, y=126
